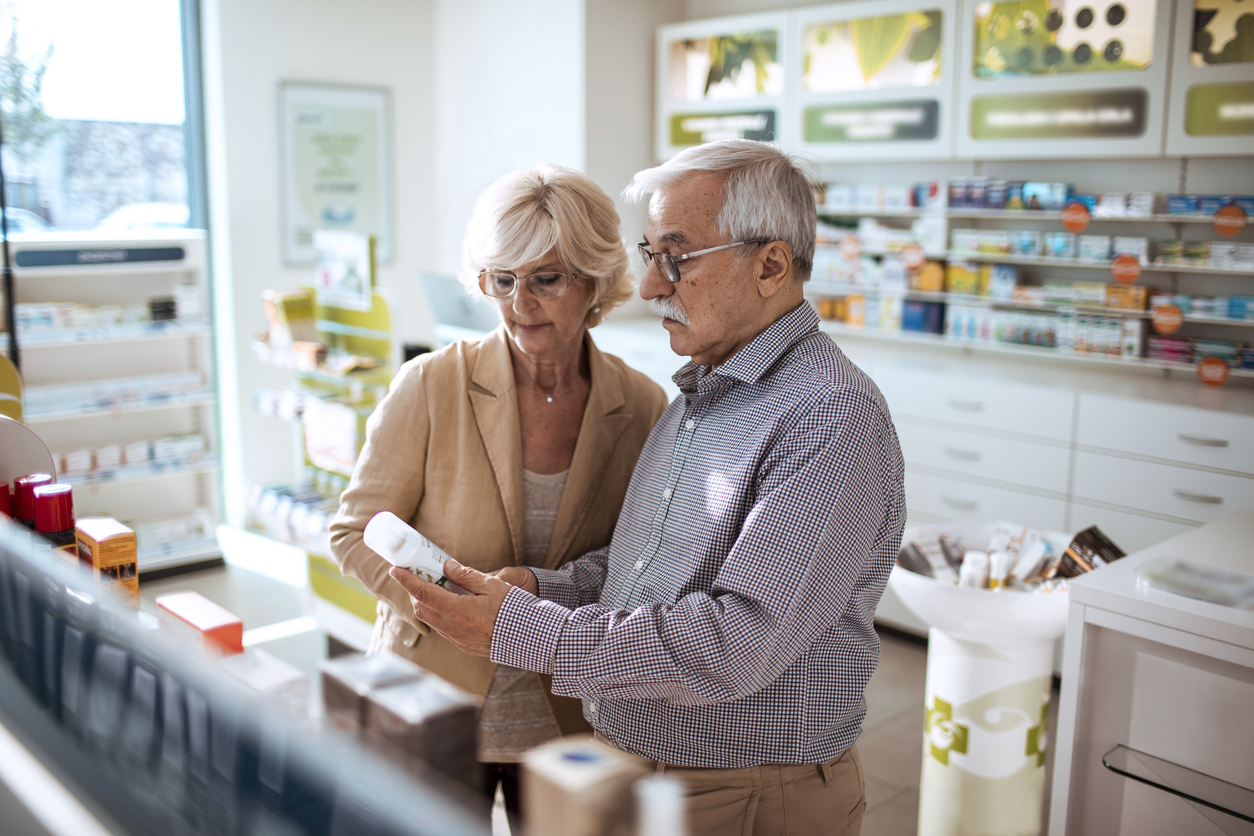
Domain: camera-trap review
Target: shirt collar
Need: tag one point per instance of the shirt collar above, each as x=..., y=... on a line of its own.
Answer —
x=752, y=361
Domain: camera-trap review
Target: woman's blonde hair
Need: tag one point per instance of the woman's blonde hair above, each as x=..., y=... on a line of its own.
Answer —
x=524, y=214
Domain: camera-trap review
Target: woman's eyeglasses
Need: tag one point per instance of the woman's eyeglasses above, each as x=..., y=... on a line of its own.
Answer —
x=668, y=265
x=546, y=284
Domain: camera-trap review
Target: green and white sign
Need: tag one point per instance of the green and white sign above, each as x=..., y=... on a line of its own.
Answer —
x=335, y=165
x=1074, y=114
x=696, y=128
x=1220, y=109
x=873, y=122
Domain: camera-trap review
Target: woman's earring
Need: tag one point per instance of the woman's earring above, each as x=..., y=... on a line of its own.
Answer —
x=596, y=308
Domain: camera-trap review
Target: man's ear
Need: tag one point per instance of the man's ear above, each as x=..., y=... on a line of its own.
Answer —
x=774, y=268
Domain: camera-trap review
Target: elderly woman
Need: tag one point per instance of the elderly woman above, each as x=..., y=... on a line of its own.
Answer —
x=511, y=450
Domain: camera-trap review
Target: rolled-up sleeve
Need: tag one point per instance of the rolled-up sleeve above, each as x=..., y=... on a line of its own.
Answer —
x=823, y=503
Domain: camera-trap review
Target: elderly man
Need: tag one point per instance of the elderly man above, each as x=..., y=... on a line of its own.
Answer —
x=725, y=633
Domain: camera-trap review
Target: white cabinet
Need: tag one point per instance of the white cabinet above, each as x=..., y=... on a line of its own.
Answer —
x=1181, y=492
x=1039, y=466
x=958, y=500
x=1201, y=437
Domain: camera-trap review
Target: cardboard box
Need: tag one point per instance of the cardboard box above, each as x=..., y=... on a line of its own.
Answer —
x=1127, y=297
x=108, y=550
x=201, y=622
x=427, y=723
x=578, y=786
x=347, y=681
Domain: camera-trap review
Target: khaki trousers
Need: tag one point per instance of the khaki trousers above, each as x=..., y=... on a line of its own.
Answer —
x=814, y=799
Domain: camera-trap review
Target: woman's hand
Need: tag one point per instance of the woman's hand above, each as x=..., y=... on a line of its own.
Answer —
x=519, y=576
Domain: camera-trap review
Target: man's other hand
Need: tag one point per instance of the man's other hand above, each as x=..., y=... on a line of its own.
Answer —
x=465, y=620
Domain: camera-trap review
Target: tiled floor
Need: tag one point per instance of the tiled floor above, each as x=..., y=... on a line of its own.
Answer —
x=891, y=744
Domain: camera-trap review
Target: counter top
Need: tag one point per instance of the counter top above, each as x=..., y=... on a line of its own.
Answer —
x=1224, y=544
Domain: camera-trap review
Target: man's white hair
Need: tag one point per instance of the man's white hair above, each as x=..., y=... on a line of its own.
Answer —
x=766, y=193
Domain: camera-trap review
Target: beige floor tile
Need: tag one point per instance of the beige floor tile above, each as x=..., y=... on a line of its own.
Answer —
x=898, y=681
x=897, y=817
x=879, y=792
x=892, y=751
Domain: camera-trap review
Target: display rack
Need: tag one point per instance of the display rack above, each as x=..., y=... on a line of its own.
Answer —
x=317, y=487
x=94, y=389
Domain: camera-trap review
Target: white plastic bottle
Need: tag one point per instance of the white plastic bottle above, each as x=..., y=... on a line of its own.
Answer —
x=660, y=807
x=399, y=544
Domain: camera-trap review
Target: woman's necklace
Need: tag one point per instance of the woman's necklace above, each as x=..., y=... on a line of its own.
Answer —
x=547, y=395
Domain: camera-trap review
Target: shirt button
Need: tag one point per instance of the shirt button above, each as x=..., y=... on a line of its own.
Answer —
x=667, y=494
x=639, y=565
x=691, y=423
x=592, y=708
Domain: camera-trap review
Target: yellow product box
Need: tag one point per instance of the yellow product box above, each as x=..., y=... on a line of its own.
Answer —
x=929, y=278
x=963, y=277
x=1128, y=297
x=108, y=550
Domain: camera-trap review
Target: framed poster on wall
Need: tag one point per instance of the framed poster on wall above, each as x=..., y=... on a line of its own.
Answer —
x=875, y=79
x=335, y=164
x=1058, y=78
x=721, y=79
x=1212, y=78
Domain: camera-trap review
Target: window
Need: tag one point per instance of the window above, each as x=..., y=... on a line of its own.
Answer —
x=94, y=115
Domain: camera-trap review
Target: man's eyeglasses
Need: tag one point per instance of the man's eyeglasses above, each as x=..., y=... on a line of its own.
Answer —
x=668, y=265
x=547, y=284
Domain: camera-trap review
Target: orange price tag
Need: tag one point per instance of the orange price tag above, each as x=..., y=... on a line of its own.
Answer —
x=912, y=256
x=1125, y=268
x=1167, y=319
x=1075, y=217
x=1228, y=221
x=851, y=248
x=1213, y=371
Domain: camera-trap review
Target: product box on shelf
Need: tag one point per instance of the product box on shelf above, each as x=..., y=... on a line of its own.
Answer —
x=965, y=240
x=839, y=196
x=929, y=278
x=198, y=622
x=977, y=191
x=1241, y=307
x=1089, y=293
x=108, y=550
x=1025, y=242
x=964, y=277
x=1111, y=205
x=958, y=193
x=1059, y=244
x=1135, y=246
x=1093, y=248
x=1057, y=291
x=1002, y=280
x=994, y=241
x=995, y=194
x=923, y=317
x=1130, y=297
x=1047, y=196
x=1140, y=204
x=1183, y=204
x=1014, y=195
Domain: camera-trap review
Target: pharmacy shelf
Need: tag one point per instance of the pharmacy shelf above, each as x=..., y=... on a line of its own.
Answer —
x=818, y=288
x=839, y=330
x=1001, y=214
x=114, y=334
x=152, y=470
x=1041, y=261
x=176, y=553
x=196, y=397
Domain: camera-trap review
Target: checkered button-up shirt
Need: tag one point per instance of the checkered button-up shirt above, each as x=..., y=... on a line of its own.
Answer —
x=728, y=623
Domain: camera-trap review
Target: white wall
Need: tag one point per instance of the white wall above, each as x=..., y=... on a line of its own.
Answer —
x=249, y=47
x=509, y=93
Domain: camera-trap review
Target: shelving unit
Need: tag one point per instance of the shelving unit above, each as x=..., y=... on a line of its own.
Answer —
x=121, y=362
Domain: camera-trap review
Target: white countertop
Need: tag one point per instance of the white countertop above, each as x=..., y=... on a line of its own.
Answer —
x=1225, y=544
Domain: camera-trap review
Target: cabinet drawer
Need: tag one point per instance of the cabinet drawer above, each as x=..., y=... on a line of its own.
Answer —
x=954, y=499
x=988, y=404
x=1034, y=465
x=1129, y=532
x=1176, y=491
x=1166, y=431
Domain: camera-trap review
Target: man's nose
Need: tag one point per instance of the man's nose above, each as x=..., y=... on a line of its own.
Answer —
x=654, y=284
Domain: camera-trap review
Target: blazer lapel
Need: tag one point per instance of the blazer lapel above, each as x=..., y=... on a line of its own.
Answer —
x=599, y=432
x=495, y=403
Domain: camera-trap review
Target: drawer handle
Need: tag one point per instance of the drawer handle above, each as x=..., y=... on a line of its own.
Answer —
x=962, y=455
x=1189, y=496
x=1203, y=442
x=961, y=504
x=966, y=406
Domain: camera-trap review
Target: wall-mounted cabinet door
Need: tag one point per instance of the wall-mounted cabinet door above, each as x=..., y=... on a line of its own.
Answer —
x=1061, y=78
x=726, y=78
x=1212, y=78
x=875, y=79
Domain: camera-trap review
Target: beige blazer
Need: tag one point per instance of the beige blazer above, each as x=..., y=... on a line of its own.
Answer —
x=444, y=451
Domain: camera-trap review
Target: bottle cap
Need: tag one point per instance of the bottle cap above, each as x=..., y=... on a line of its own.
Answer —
x=24, y=494
x=54, y=508
x=4, y=499
x=385, y=535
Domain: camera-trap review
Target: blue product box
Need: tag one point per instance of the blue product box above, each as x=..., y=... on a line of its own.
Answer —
x=923, y=317
x=1089, y=201
x=1210, y=203
x=1182, y=204
x=1046, y=196
x=1246, y=202
x=1241, y=307
x=1014, y=194
x=1247, y=358
x=995, y=195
